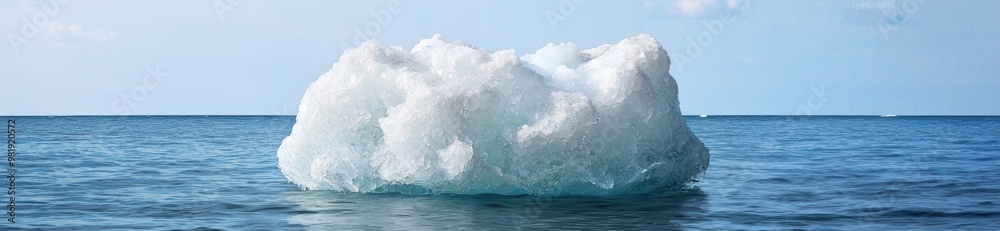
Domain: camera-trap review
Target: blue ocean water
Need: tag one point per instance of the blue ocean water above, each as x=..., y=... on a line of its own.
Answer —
x=766, y=172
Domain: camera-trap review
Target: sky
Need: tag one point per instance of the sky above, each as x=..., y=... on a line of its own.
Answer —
x=729, y=57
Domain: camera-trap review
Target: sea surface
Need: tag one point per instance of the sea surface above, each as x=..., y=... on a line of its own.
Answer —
x=766, y=172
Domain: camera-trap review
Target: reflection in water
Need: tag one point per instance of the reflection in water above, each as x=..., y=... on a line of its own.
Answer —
x=324, y=210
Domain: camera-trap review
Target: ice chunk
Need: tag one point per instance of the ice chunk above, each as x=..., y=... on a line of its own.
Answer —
x=448, y=117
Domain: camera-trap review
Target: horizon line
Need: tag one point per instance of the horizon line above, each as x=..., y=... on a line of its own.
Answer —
x=692, y=115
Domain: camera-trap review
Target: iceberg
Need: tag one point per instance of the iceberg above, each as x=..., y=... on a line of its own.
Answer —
x=447, y=117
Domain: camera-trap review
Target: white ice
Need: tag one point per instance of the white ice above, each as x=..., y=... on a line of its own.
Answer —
x=448, y=117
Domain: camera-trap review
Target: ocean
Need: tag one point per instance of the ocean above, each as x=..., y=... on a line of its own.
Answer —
x=766, y=173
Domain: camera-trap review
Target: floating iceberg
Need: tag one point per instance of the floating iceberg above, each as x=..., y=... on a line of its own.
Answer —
x=447, y=117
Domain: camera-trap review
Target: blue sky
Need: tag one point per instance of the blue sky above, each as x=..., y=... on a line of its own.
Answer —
x=729, y=56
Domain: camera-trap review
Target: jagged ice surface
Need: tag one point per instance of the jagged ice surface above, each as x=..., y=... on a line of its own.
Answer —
x=447, y=117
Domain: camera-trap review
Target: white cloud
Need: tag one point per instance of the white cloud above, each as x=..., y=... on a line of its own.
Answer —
x=699, y=8
x=59, y=31
x=696, y=7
